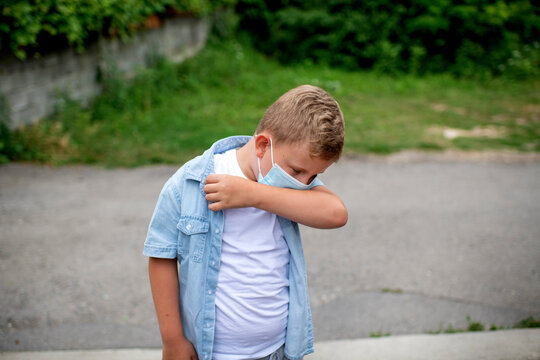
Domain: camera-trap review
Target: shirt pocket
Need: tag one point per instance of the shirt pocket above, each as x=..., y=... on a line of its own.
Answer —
x=192, y=238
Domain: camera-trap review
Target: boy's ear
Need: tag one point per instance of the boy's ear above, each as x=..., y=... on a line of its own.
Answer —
x=262, y=141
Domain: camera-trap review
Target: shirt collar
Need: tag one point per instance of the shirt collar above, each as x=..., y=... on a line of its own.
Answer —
x=200, y=167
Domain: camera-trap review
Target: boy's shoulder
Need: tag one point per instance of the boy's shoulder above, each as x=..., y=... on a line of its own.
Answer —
x=187, y=170
x=200, y=165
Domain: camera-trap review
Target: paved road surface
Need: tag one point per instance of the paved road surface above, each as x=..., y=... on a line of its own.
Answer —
x=430, y=241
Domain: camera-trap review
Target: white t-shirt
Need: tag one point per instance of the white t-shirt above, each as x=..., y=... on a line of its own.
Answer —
x=252, y=295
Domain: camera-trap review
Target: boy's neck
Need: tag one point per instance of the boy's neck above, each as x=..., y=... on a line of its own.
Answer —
x=244, y=155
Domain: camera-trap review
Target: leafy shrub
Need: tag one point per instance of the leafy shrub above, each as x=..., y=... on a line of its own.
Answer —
x=28, y=26
x=529, y=322
x=7, y=146
x=465, y=37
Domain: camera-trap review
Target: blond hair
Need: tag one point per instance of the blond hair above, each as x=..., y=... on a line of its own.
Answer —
x=307, y=113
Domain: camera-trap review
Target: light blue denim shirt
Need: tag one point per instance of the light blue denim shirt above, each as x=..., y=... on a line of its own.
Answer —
x=183, y=227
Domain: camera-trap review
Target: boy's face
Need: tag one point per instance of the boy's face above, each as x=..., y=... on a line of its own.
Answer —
x=295, y=159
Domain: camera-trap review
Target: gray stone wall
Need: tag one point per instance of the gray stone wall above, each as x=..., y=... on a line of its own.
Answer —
x=31, y=88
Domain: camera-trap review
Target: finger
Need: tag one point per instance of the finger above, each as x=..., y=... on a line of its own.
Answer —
x=212, y=178
x=210, y=188
x=212, y=197
x=215, y=206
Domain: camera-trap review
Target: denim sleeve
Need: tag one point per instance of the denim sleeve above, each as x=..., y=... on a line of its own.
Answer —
x=162, y=238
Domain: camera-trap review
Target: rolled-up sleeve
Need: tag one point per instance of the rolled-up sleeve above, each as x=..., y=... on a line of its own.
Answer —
x=162, y=237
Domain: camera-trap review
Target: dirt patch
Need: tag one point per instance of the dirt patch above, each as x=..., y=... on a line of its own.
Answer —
x=443, y=107
x=449, y=133
x=532, y=108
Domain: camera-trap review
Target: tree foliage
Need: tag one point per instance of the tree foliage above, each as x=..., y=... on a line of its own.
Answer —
x=31, y=26
x=465, y=37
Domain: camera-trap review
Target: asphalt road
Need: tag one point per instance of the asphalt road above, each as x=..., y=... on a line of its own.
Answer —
x=431, y=240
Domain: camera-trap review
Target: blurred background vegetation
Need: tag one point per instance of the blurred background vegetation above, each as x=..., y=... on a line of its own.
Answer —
x=419, y=74
x=33, y=27
x=464, y=38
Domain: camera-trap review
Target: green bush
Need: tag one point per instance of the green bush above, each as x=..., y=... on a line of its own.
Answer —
x=33, y=26
x=9, y=148
x=464, y=37
x=529, y=322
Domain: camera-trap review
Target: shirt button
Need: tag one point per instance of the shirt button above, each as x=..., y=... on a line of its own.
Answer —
x=206, y=356
x=210, y=291
x=188, y=227
x=208, y=325
x=213, y=263
x=217, y=231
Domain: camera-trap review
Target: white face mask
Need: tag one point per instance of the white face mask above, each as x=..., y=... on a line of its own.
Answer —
x=279, y=177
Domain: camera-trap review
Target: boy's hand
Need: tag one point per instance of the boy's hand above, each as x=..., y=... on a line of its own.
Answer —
x=182, y=350
x=227, y=191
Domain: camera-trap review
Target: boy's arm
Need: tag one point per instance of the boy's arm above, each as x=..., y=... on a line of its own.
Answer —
x=318, y=207
x=164, y=283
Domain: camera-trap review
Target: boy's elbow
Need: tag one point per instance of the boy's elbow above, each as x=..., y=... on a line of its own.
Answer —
x=341, y=217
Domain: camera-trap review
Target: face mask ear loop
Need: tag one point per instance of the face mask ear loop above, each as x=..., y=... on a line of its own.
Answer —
x=271, y=151
x=258, y=160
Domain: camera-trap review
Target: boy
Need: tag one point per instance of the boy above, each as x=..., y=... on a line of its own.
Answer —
x=241, y=291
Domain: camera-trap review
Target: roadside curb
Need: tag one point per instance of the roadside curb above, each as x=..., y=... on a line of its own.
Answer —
x=519, y=344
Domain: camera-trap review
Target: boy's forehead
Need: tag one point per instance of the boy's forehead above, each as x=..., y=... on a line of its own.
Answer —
x=291, y=151
x=298, y=154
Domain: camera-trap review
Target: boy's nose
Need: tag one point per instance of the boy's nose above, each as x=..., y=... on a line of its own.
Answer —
x=306, y=179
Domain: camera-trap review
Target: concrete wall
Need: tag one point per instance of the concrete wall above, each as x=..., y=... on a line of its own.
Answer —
x=31, y=88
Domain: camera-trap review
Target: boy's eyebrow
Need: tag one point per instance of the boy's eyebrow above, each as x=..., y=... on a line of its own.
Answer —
x=294, y=166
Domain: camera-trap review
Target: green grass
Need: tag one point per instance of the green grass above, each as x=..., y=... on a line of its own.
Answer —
x=172, y=112
x=378, y=334
x=527, y=323
x=392, y=291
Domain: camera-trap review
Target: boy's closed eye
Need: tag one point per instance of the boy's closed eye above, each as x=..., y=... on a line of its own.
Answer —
x=297, y=172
